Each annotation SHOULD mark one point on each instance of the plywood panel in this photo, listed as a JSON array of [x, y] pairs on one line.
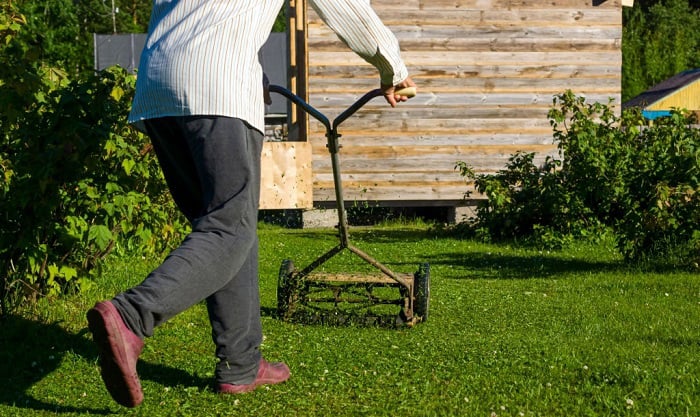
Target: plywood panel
[[286, 181]]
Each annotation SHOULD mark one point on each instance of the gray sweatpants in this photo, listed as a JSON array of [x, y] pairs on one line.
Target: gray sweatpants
[[212, 167]]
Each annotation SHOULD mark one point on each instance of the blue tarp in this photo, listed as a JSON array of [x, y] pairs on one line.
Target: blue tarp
[[655, 114]]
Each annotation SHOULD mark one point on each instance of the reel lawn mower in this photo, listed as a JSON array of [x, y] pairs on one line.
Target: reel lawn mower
[[300, 292]]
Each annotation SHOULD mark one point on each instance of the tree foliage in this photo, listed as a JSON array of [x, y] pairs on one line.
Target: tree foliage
[[660, 38], [60, 31]]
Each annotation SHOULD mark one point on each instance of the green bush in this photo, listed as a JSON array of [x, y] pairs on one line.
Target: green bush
[[660, 38], [524, 202], [661, 198], [562, 199], [612, 172], [77, 182]]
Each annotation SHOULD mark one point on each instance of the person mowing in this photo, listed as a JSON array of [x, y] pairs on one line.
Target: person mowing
[[200, 99]]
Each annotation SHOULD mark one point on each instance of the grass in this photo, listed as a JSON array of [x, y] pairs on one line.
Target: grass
[[512, 332]]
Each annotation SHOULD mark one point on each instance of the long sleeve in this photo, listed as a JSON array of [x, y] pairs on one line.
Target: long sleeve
[[359, 27]]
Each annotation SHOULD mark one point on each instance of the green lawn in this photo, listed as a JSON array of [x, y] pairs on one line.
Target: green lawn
[[512, 332]]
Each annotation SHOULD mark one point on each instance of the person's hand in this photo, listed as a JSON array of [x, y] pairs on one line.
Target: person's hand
[[266, 90], [392, 93]]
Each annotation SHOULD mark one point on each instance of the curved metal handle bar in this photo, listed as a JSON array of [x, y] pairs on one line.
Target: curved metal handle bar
[[356, 106], [320, 116], [297, 100]]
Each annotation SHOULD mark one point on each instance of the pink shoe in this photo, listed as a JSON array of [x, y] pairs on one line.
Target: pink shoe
[[268, 374], [119, 351]]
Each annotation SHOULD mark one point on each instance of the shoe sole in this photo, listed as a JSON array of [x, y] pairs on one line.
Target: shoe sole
[[259, 382], [121, 382]]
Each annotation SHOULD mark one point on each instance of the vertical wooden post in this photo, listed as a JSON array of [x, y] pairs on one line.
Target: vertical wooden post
[[298, 63]]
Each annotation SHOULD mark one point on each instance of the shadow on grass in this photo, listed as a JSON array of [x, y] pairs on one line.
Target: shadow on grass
[[484, 262], [373, 234], [32, 350], [480, 265]]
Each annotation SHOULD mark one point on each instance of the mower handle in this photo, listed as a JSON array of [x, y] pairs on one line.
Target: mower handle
[[409, 91], [299, 101]]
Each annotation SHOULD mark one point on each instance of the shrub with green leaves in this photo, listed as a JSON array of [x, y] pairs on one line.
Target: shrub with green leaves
[[662, 193], [617, 172], [561, 199], [77, 182], [80, 183], [524, 202]]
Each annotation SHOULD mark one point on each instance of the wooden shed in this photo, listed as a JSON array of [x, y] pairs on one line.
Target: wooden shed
[[486, 70], [682, 91]]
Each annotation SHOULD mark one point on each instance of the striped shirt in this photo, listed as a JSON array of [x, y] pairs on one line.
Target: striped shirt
[[201, 56]]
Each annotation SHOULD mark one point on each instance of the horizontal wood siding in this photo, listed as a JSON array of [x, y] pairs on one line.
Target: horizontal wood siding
[[486, 70]]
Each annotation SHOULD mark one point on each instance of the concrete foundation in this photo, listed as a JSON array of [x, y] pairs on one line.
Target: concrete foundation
[[319, 218], [460, 214]]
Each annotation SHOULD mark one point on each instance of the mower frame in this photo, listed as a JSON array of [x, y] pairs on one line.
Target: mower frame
[[294, 286]]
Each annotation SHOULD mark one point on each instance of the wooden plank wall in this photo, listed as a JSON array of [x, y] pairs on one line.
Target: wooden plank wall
[[487, 71]]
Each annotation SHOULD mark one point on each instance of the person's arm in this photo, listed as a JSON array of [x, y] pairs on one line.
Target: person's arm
[[359, 27]]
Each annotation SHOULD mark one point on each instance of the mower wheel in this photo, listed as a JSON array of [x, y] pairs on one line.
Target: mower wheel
[[286, 289], [421, 289]]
